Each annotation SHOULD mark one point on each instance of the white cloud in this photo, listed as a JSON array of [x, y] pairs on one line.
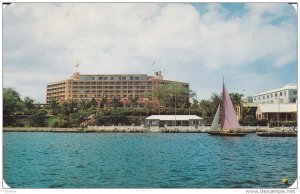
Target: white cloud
[[49, 39]]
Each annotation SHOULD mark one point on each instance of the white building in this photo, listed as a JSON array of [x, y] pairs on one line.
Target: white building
[[182, 121], [277, 114], [286, 94]]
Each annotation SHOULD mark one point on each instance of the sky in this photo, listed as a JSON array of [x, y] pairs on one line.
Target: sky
[[253, 45]]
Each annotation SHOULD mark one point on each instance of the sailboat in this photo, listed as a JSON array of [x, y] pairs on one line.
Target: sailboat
[[229, 123]]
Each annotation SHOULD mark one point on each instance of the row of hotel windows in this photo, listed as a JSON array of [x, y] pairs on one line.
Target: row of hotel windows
[[112, 78], [108, 96], [112, 83], [111, 87], [100, 83], [271, 95], [105, 91], [99, 87]]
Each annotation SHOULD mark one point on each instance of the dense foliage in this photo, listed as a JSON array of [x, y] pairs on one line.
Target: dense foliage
[[171, 98]]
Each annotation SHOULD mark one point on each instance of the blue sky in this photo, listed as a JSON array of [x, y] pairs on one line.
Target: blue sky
[[254, 45]]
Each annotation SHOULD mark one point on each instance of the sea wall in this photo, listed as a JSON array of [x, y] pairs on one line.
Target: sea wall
[[131, 129]]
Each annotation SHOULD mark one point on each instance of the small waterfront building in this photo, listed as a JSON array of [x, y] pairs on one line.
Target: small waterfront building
[[277, 113], [286, 94], [154, 122]]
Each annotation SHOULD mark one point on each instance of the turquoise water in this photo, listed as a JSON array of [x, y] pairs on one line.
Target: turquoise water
[[116, 160]]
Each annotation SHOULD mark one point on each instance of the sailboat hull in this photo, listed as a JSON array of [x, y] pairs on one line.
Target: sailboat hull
[[224, 133]]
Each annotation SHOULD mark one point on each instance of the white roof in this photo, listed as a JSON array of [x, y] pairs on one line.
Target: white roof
[[286, 87], [274, 108], [172, 117]]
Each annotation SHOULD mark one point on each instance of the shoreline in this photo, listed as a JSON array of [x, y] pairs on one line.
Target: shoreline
[[115, 129]]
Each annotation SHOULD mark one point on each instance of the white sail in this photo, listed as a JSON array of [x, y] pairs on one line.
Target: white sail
[[215, 123]]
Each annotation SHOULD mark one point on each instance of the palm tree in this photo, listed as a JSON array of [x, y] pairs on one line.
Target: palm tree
[[116, 101], [236, 99], [93, 103], [28, 102], [53, 104], [133, 100], [73, 106], [147, 106], [103, 101]]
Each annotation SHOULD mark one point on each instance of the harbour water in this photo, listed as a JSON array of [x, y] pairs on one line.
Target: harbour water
[[148, 160]]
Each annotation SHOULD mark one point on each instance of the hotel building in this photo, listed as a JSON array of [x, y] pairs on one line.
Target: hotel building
[[286, 94], [278, 105], [86, 87]]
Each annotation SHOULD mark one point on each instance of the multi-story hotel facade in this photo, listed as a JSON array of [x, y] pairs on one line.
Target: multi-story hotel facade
[[284, 95], [278, 105], [86, 87]]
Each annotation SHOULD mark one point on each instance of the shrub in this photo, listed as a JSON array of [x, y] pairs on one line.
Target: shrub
[[54, 121], [263, 122], [20, 123], [289, 123]]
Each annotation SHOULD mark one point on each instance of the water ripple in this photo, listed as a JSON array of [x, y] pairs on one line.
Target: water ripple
[[146, 161]]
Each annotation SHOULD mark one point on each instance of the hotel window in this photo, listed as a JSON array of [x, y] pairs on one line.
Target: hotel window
[[280, 93], [295, 92], [275, 94], [112, 78], [100, 78], [267, 96]]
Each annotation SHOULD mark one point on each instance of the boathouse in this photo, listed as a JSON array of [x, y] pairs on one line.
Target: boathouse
[[277, 113], [155, 122]]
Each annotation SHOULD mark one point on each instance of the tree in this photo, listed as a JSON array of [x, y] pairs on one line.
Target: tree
[[12, 104], [54, 105], [133, 100], [215, 101], [84, 104], [205, 108], [76, 119], [170, 94], [236, 99], [29, 106], [38, 119], [116, 101], [103, 101], [93, 103]]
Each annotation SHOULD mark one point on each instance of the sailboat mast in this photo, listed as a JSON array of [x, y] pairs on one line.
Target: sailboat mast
[[223, 107]]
